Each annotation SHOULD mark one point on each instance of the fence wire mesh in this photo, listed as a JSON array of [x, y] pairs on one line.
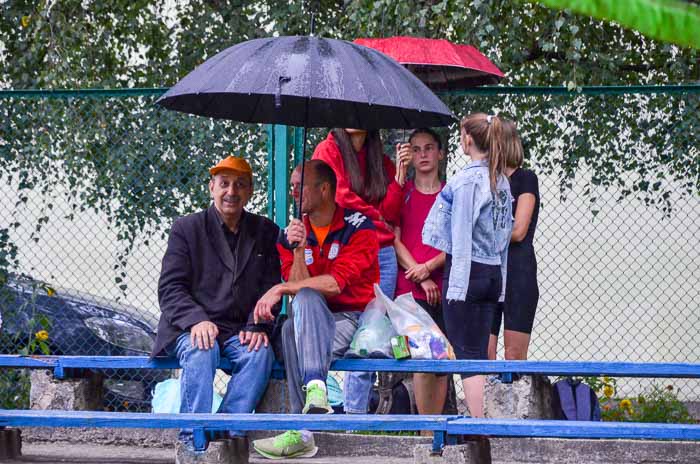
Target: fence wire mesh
[[91, 184]]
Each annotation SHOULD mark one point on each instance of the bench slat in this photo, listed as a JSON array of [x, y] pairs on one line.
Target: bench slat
[[55, 418], [553, 368], [573, 429], [30, 362], [452, 425]]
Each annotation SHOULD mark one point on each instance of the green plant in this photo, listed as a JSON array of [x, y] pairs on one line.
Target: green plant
[[605, 387], [38, 325], [14, 389], [15, 383], [658, 404]]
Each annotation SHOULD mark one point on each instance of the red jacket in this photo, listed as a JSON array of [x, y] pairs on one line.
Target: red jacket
[[349, 255], [385, 211]]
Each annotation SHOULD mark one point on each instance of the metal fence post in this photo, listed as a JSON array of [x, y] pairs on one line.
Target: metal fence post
[[281, 171]]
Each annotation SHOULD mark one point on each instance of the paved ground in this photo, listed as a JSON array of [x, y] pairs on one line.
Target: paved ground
[[42, 453]]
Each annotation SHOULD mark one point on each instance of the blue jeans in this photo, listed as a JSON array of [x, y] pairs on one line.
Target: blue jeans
[[311, 338], [250, 375], [358, 385]]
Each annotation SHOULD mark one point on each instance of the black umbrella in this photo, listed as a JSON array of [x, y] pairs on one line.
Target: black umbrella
[[307, 81]]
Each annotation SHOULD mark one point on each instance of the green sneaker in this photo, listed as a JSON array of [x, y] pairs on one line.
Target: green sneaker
[[290, 444], [316, 401]]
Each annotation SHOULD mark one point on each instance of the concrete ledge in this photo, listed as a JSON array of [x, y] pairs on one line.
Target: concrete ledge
[[475, 452], [503, 450], [352, 444], [144, 438], [218, 452], [530, 397], [551, 450], [46, 392]]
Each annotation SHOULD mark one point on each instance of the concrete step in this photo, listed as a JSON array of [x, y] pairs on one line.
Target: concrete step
[[354, 448]]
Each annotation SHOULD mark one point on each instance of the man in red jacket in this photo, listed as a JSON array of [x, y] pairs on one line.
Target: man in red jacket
[[331, 272]]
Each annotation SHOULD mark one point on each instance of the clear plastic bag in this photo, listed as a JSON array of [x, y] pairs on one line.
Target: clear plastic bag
[[372, 338], [426, 340], [166, 397]]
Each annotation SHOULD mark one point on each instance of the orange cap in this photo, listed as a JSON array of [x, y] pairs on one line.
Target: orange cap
[[234, 164]]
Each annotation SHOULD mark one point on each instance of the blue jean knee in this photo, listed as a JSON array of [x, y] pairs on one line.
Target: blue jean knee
[[197, 377], [388, 271], [249, 377]]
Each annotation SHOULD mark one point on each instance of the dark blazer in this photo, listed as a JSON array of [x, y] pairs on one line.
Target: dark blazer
[[201, 280]]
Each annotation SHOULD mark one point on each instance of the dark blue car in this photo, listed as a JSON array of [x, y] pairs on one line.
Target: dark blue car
[[81, 324]]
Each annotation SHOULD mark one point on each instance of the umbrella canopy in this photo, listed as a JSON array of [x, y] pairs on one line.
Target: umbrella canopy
[[310, 82], [439, 63]]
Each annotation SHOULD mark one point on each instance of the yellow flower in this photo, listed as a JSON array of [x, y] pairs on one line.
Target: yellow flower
[[42, 335], [50, 291], [608, 391], [626, 404], [606, 379], [25, 21]]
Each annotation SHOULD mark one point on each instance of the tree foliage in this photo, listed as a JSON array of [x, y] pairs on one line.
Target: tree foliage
[[142, 166]]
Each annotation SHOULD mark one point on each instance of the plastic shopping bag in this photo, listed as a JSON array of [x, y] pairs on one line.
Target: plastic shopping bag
[[166, 397], [372, 338], [425, 339]]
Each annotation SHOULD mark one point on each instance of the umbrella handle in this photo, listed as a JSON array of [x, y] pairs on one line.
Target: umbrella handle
[[278, 95]]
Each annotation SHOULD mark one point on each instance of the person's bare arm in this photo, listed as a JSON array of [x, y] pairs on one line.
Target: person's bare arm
[[299, 270], [523, 216], [324, 284], [296, 233], [436, 262], [421, 271], [404, 257]]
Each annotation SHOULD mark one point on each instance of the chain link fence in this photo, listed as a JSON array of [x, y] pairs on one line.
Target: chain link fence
[[91, 183]]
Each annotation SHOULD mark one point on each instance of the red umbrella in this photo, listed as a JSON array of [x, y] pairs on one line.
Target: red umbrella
[[439, 63]]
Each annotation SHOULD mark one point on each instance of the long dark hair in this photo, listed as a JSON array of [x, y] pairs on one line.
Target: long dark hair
[[370, 185]]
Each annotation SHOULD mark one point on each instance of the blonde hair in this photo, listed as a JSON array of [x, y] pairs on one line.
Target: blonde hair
[[512, 144], [487, 133]]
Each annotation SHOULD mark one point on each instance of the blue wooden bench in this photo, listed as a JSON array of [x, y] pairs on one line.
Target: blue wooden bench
[[206, 426], [445, 428], [62, 365]]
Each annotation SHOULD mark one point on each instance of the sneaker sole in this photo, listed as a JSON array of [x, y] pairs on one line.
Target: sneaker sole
[[318, 410], [300, 454]]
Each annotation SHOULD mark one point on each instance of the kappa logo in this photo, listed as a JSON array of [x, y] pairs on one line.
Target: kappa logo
[[356, 219]]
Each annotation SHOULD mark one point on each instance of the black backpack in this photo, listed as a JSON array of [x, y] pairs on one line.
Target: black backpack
[[394, 395], [574, 400]]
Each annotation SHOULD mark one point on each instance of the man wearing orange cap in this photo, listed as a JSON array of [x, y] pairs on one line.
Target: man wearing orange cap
[[218, 263]]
